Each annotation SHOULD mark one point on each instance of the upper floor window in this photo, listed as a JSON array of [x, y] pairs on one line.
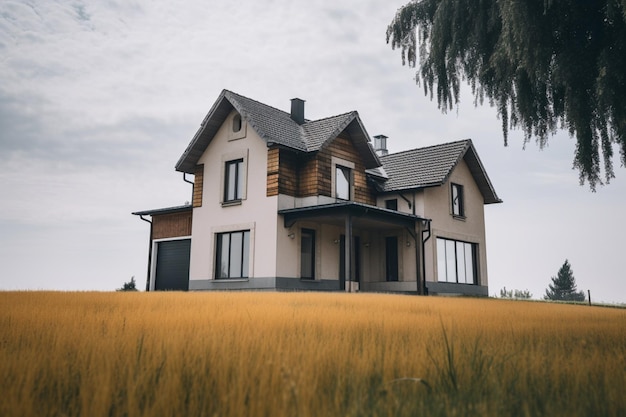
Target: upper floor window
[[342, 182], [233, 180], [236, 123], [458, 204], [391, 204]]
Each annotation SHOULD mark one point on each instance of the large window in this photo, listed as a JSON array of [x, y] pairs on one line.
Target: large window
[[456, 261], [232, 254], [307, 254], [458, 206], [233, 180], [342, 182]]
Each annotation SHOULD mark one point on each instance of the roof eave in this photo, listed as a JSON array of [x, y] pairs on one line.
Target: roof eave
[[209, 126], [479, 173]]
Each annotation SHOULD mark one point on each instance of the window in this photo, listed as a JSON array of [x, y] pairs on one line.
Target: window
[[232, 255], [236, 123], [307, 254], [391, 204], [456, 261], [458, 206], [342, 182], [391, 258], [233, 180]]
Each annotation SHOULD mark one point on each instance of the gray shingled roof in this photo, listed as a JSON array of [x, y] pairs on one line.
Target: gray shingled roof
[[431, 166], [276, 127]]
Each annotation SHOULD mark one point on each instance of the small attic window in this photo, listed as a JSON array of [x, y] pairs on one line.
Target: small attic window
[[236, 123]]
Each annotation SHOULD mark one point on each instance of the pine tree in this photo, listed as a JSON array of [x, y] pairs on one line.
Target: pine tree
[[544, 64], [129, 286], [563, 286]]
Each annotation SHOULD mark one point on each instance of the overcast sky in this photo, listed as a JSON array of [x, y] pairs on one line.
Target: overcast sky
[[98, 100]]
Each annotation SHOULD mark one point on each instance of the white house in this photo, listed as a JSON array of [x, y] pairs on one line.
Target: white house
[[281, 202]]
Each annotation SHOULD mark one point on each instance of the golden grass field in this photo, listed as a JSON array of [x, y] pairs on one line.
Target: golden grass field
[[306, 354]]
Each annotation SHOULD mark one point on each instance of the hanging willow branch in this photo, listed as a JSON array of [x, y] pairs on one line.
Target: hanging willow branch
[[544, 64]]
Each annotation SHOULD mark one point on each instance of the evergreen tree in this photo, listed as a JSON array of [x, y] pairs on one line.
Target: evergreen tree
[[544, 64], [563, 286], [129, 286]]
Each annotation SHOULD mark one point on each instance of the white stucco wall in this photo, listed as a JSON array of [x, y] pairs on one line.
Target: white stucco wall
[[438, 207], [256, 212]]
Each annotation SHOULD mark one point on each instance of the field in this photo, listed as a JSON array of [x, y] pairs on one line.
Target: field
[[306, 354]]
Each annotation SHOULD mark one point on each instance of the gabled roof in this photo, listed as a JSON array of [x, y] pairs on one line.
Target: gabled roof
[[277, 128], [431, 166]]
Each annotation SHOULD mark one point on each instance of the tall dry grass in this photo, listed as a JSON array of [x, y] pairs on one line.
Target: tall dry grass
[[306, 354]]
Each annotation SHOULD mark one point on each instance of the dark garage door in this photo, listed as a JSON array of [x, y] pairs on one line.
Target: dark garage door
[[172, 268]]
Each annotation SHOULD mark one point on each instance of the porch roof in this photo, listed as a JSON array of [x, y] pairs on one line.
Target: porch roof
[[363, 215], [165, 210]]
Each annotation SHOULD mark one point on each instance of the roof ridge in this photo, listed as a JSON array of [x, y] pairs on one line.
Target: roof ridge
[[257, 102], [330, 117], [426, 147]]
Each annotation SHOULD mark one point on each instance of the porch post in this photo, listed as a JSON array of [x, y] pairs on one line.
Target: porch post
[[348, 252]]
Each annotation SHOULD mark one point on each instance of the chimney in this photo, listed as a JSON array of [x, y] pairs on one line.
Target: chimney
[[380, 145], [297, 110]]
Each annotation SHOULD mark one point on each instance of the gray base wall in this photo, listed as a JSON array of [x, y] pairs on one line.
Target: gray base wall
[[445, 288], [263, 283], [297, 284]]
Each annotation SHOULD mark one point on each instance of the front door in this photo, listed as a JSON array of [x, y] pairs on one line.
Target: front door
[[356, 260]]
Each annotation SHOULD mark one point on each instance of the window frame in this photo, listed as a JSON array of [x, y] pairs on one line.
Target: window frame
[[346, 174], [457, 200], [336, 165], [237, 182], [244, 261], [446, 262], [241, 180]]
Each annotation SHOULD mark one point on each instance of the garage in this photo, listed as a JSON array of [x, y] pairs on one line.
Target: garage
[[172, 265]]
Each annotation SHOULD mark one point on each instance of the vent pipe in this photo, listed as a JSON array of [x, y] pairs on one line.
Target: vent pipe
[[297, 110], [380, 145]]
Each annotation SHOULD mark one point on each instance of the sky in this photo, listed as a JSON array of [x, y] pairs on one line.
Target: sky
[[98, 100]]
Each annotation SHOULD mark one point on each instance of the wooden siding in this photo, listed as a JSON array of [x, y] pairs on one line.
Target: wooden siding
[[273, 161], [308, 178], [198, 184], [342, 147], [288, 173], [282, 172], [171, 225], [311, 174]]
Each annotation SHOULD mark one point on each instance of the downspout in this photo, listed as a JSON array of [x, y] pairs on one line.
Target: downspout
[[189, 182], [149, 254], [425, 290], [418, 286], [348, 252]]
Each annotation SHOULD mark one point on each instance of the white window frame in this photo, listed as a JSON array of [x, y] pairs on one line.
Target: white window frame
[[230, 124], [213, 250], [346, 164]]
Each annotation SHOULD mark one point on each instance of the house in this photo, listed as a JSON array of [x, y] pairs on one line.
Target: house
[[281, 202]]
